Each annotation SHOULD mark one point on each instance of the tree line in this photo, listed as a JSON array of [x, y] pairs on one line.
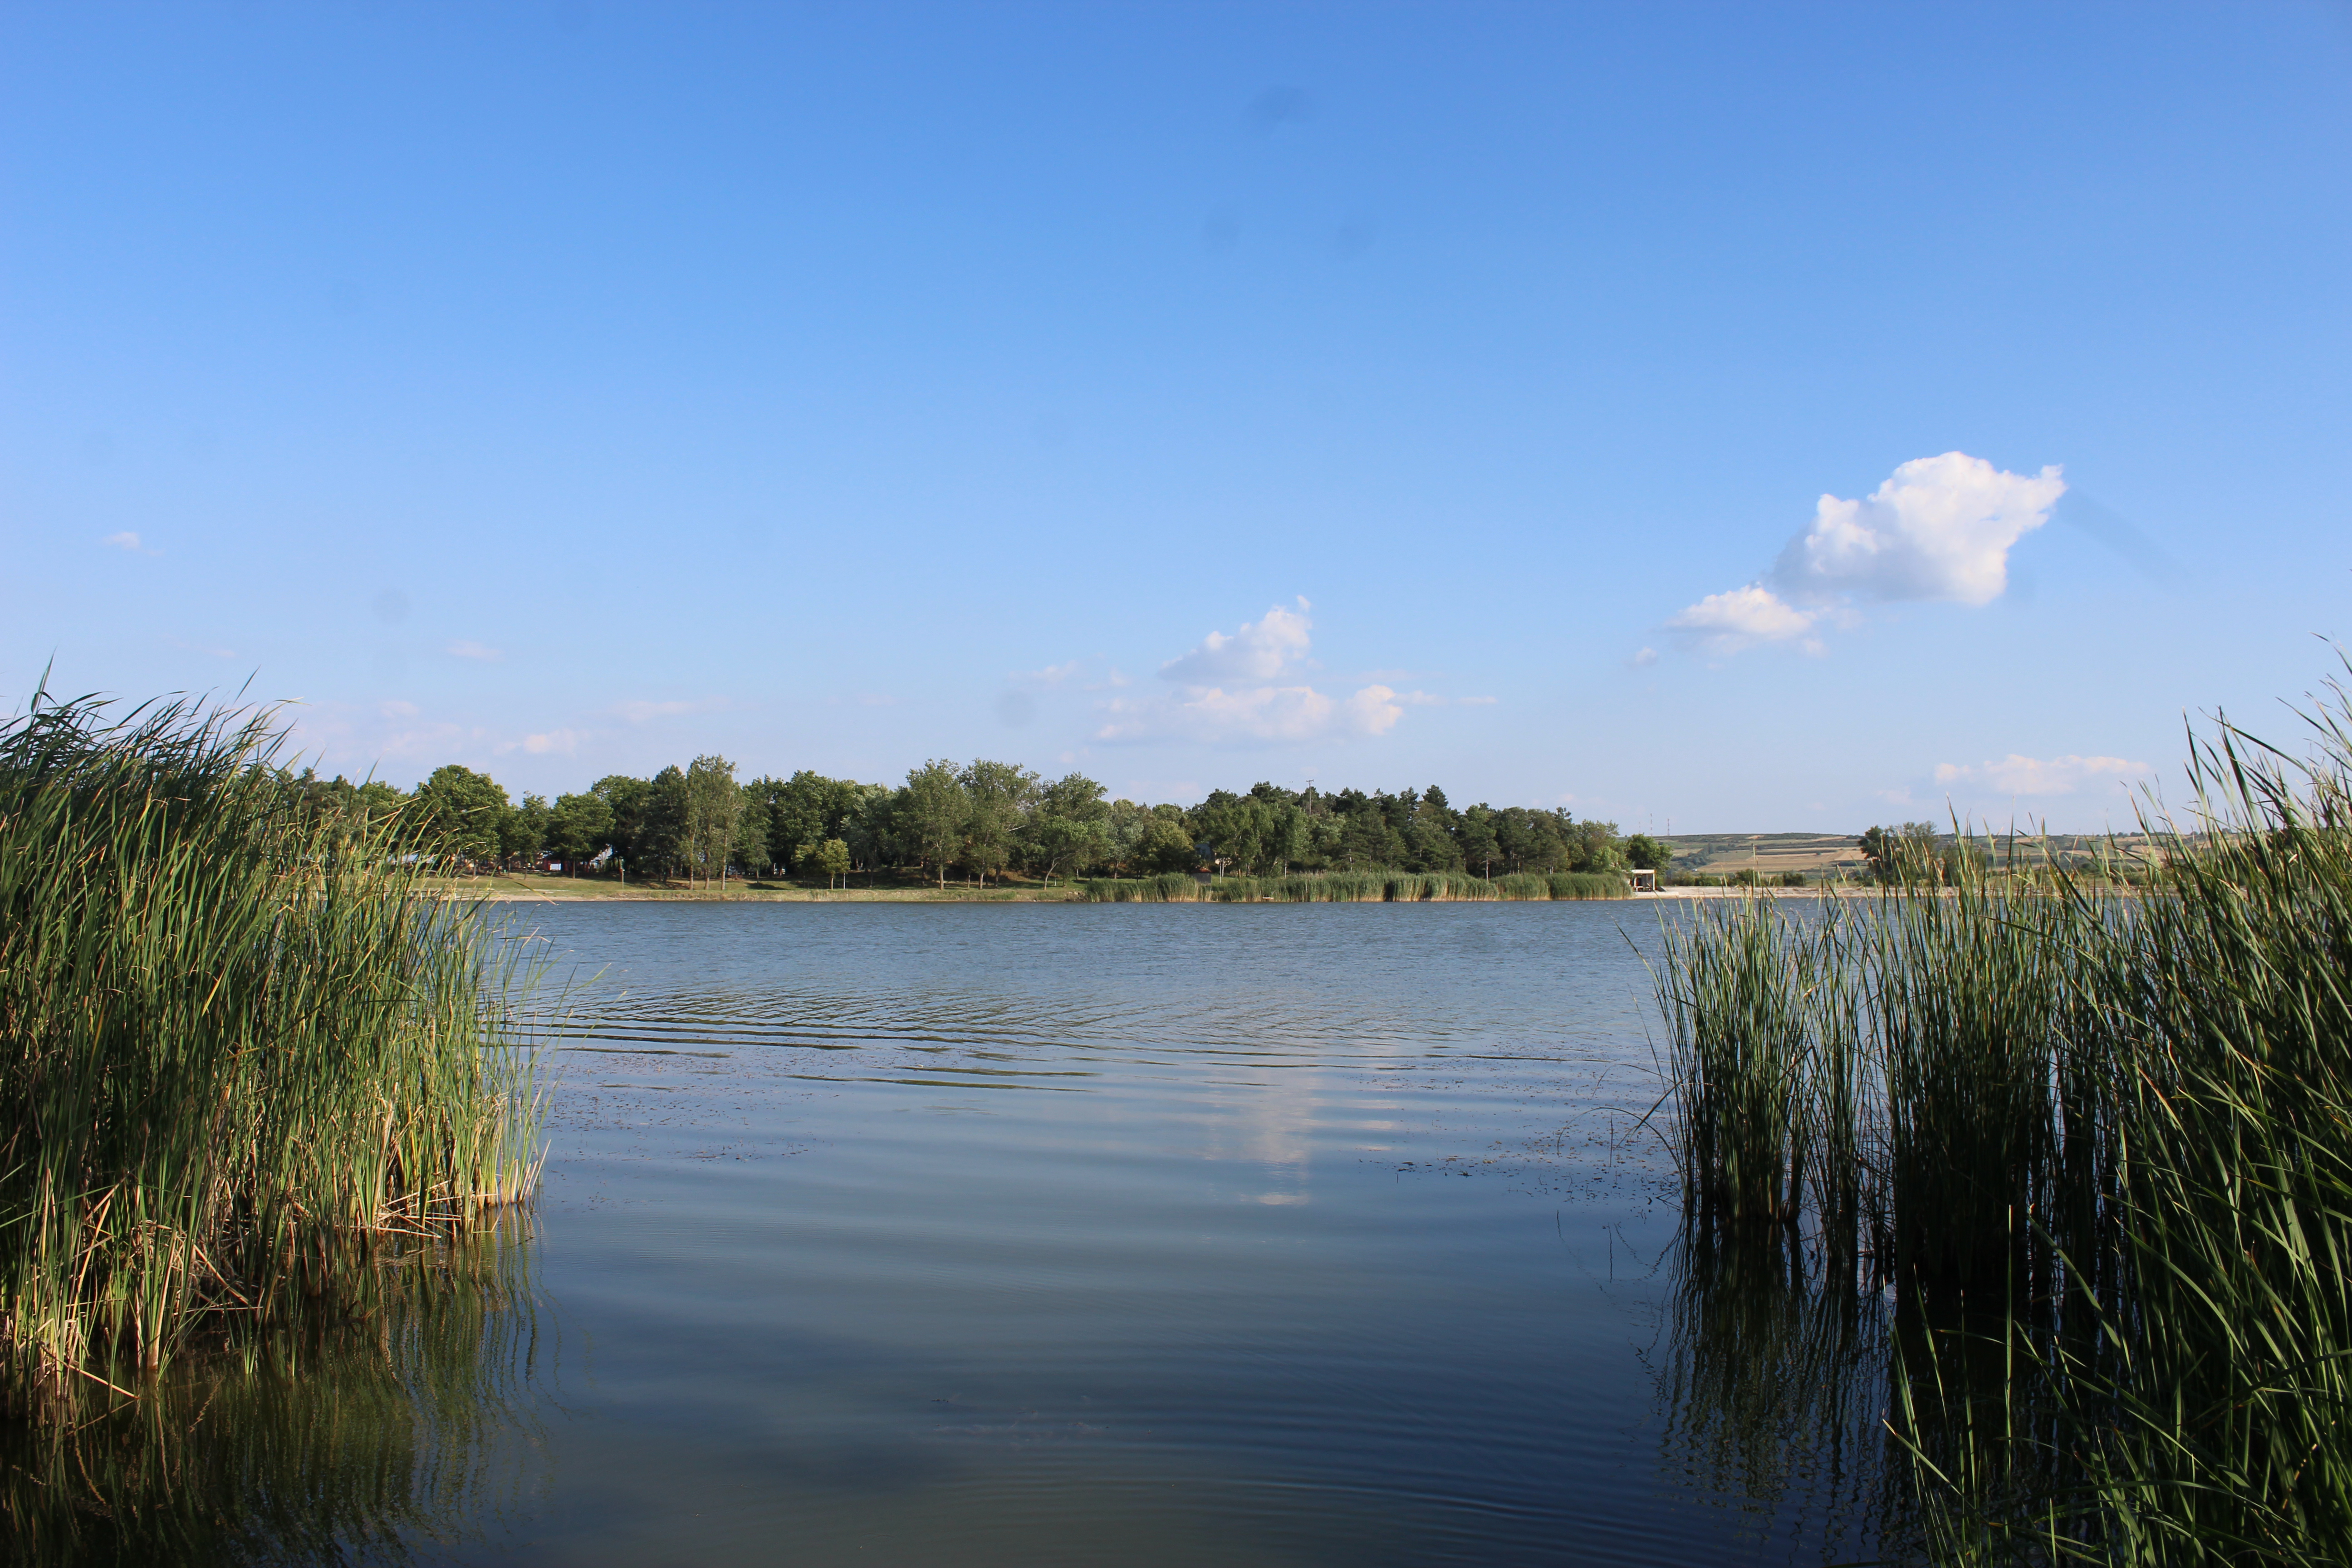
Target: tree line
[[977, 820]]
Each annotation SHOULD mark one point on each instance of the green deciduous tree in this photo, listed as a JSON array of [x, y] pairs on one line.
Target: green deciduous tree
[[578, 825], [1645, 853], [931, 811], [1902, 854], [462, 810], [1069, 828], [997, 798], [522, 835], [714, 807], [1164, 845]]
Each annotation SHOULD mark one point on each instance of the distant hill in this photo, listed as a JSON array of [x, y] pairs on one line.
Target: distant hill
[[1817, 853]]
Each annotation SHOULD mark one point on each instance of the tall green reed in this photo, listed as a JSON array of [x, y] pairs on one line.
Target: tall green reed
[[243, 1045], [1762, 1065], [2104, 1145]]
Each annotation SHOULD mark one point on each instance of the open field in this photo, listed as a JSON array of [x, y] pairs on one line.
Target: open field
[[1834, 854]]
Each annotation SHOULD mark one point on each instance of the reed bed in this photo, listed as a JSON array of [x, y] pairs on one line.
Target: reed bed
[[1353, 886], [243, 1049], [2099, 1144]]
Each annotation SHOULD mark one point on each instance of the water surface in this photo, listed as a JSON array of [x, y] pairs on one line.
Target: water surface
[[1277, 1234], [1293, 1234]]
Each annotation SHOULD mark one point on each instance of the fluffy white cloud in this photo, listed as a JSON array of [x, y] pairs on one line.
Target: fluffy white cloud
[[1939, 529], [1257, 652], [2014, 774], [129, 542], [1234, 690]]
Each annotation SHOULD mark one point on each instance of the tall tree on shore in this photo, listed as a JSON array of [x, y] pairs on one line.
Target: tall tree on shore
[[578, 826], [462, 809], [663, 839], [714, 805], [1070, 829], [998, 796], [932, 811]]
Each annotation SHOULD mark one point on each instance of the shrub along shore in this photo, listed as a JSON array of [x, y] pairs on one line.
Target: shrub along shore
[[2100, 1149], [248, 1057]]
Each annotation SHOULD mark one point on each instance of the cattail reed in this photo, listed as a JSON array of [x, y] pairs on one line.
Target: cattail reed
[[243, 1045], [2102, 1143]]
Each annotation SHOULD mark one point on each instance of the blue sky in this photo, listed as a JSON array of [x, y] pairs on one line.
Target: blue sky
[[1192, 395]]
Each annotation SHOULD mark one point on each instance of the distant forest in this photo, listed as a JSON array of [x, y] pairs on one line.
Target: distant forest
[[977, 821]]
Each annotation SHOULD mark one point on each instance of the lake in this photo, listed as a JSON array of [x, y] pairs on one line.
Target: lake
[[1285, 1234]]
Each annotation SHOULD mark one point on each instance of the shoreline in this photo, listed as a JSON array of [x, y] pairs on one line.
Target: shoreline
[[1026, 896]]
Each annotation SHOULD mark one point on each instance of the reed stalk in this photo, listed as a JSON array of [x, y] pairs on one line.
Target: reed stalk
[[2103, 1147], [243, 1045]]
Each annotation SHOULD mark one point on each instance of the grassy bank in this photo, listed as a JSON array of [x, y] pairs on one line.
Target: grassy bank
[[242, 1047], [1334, 886], [2101, 1147], [1353, 886]]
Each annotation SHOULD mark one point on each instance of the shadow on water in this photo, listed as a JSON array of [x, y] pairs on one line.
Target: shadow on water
[[392, 1432], [1771, 1376]]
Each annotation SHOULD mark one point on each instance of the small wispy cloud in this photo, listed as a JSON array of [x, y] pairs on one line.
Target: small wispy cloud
[[482, 651], [1052, 675], [2022, 776], [397, 709], [129, 542], [641, 710], [562, 741]]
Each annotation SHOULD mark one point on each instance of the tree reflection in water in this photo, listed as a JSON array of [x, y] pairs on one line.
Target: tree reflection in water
[[393, 1424]]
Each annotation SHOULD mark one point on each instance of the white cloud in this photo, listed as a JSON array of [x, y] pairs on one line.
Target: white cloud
[[2014, 774], [1233, 692], [1742, 617], [1053, 674], [640, 710], [1251, 713], [396, 708], [1257, 652], [1648, 655], [477, 650], [564, 740], [128, 541], [1937, 529]]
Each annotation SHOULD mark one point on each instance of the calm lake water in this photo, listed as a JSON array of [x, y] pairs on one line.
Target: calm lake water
[[1135, 1234]]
